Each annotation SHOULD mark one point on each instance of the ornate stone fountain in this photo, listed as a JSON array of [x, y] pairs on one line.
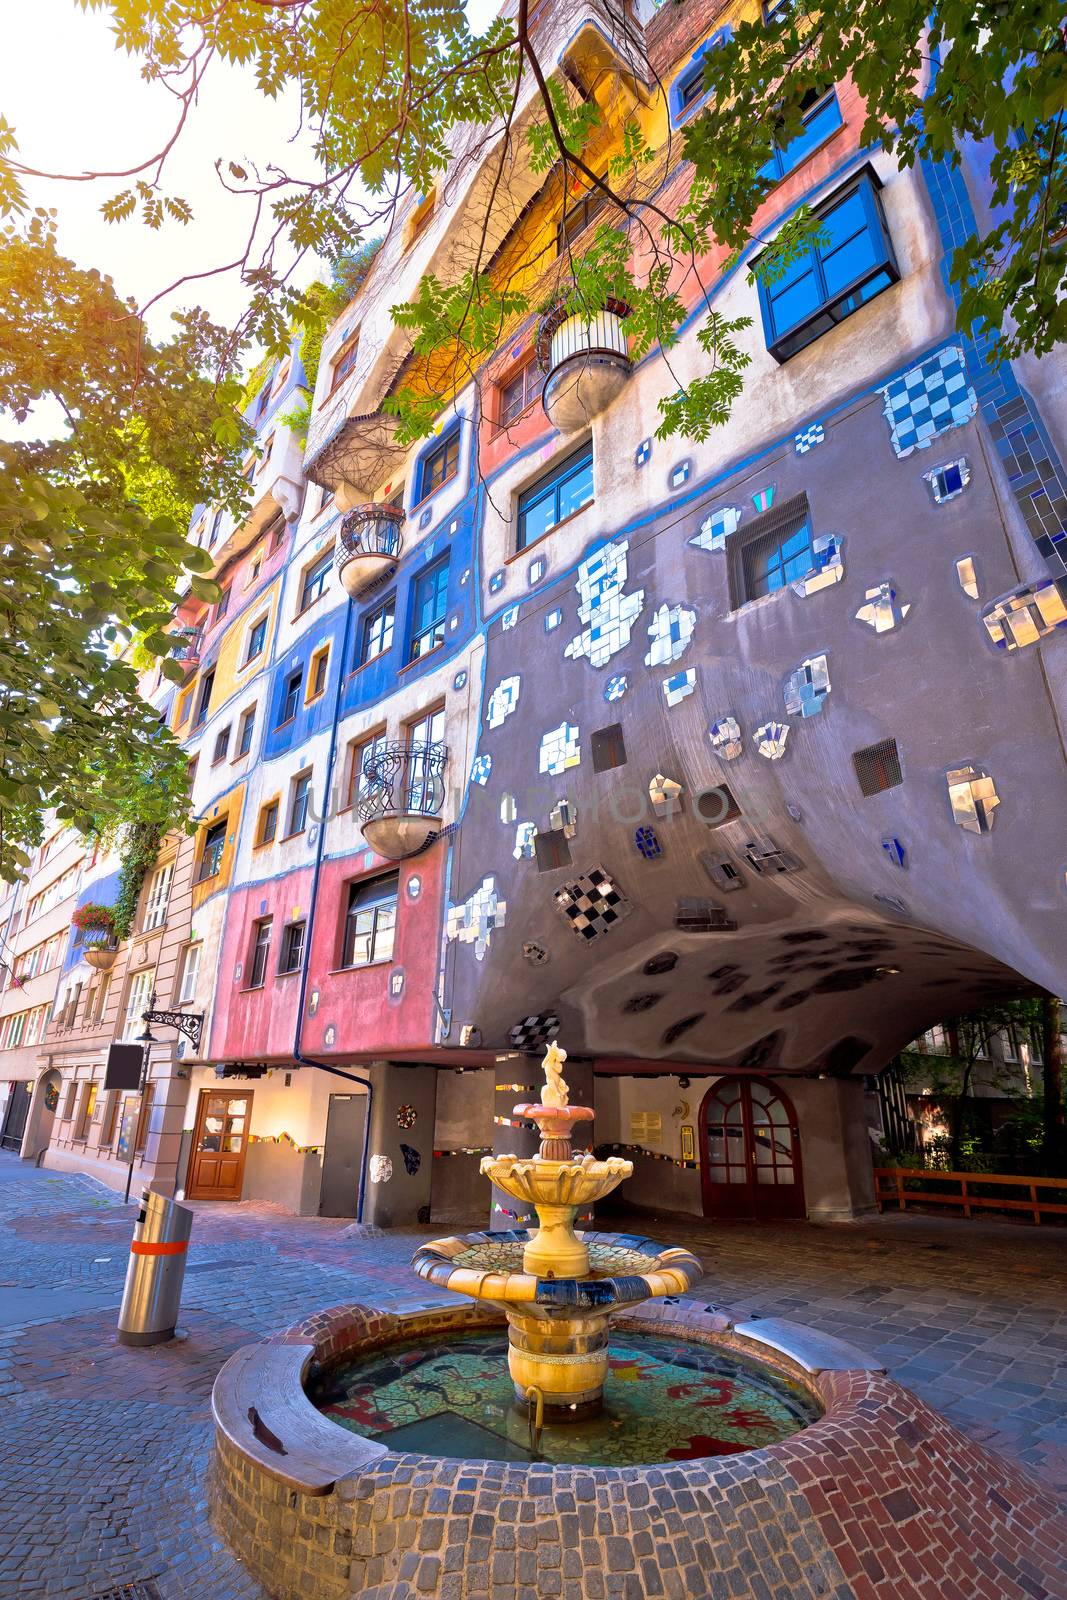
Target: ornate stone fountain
[[558, 1289]]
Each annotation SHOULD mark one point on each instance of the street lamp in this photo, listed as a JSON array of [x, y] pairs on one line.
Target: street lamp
[[146, 1040]]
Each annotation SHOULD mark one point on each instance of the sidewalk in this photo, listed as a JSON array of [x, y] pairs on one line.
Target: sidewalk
[[106, 1448]]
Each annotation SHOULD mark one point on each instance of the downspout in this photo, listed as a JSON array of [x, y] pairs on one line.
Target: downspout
[[320, 846]]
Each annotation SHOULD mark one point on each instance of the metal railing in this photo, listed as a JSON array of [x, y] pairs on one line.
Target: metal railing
[[372, 530], [403, 780]]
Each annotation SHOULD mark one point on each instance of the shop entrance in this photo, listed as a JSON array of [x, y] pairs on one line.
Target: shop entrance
[[217, 1162]]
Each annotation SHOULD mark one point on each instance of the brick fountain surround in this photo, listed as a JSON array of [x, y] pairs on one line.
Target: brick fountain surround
[[881, 1499]]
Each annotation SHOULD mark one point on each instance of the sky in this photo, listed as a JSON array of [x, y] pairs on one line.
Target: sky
[[78, 104]]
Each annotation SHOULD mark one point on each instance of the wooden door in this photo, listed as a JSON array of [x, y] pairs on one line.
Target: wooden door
[[217, 1162], [750, 1152]]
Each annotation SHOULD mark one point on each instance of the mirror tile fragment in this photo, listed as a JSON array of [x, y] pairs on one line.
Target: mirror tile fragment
[[725, 737], [973, 797], [882, 611], [828, 566], [1027, 614], [967, 577], [665, 795], [716, 528], [473, 921], [770, 739], [806, 688], [679, 686]]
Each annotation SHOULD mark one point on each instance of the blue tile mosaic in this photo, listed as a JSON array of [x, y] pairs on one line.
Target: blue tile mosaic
[[424, 520], [895, 851], [615, 687], [647, 843], [536, 571], [481, 767], [509, 617], [496, 582], [948, 481], [808, 438], [716, 528], [680, 474], [763, 499], [927, 400], [643, 452], [460, 680], [678, 687], [807, 687], [553, 620]]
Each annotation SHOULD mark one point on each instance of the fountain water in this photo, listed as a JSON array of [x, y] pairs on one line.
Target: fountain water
[[558, 1289]]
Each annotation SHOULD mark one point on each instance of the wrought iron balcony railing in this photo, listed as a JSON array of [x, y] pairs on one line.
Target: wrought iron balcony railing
[[369, 547], [401, 797]]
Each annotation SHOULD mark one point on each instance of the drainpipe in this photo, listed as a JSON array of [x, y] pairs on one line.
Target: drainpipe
[[320, 846]]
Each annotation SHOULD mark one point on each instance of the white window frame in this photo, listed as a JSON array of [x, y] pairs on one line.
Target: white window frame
[[141, 986], [158, 897], [189, 973]]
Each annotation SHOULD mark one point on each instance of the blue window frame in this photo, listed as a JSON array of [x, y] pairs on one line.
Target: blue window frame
[[776, 550], [688, 90], [257, 638], [292, 696], [315, 580], [828, 282], [438, 466], [377, 632], [559, 494], [819, 123], [428, 607]]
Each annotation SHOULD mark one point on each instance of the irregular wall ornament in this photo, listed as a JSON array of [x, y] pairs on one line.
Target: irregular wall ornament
[[607, 610], [473, 921], [559, 749], [725, 737], [716, 528], [502, 701], [592, 904], [665, 795], [412, 1159], [380, 1169], [882, 612], [770, 740], [828, 566], [680, 686], [1027, 614], [967, 578], [807, 687], [973, 797], [670, 631], [927, 400]]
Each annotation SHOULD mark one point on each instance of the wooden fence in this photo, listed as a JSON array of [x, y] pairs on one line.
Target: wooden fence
[[904, 1186]]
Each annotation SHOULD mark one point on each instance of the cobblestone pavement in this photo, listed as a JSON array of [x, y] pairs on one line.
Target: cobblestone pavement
[[105, 1448]]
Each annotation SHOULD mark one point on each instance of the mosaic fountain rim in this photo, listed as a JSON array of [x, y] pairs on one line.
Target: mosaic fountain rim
[[628, 1264]]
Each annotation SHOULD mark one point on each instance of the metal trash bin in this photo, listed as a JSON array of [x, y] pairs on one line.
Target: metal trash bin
[[156, 1271]]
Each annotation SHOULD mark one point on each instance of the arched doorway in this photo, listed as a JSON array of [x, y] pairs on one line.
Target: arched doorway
[[750, 1151], [42, 1115]]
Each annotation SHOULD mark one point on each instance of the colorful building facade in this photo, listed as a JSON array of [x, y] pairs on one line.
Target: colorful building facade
[[717, 761]]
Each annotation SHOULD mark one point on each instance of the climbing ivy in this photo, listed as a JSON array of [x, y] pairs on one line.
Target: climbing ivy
[[140, 846]]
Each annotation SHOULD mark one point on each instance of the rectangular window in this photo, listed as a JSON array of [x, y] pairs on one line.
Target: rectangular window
[[216, 524], [776, 10], [439, 466], [139, 1001], [574, 219], [421, 217], [222, 745], [257, 638], [299, 802], [85, 1110], [828, 282], [292, 947], [107, 1122], [155, 906], [878, 767], [377, 632], [370, 921], [189, 973], [244, 731], [518, 393], [183, 707], [223, 605], [774, 550], [144, 1117], [362, 752], [819, 122], [320, 667], [315, 578], [559, 494], [429, 605], [257, 966], [344, 362], [268, 823], [276, 534], [428, 730], [291, 698], [206, 686], [211, 851]]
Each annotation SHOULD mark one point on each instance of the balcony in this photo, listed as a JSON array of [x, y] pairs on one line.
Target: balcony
[[586, 360], [369, 547], [402, 797], [352, 456], [187, 655]]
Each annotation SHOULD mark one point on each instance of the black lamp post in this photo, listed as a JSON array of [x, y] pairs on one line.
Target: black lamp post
[[146, 1040]]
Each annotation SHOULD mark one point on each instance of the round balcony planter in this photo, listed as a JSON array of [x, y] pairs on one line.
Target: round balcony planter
[[586, 360], [400, 834], [369, 547], [101, 956]]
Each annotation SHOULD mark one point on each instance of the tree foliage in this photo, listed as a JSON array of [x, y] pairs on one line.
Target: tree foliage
[[93, 535]]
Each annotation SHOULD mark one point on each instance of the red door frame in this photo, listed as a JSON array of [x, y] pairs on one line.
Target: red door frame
[[752, 1200]]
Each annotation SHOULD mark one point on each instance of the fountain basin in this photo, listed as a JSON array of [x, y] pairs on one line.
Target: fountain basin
[[294, 1493]]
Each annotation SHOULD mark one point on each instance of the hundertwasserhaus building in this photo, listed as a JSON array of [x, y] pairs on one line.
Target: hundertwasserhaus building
[[732, 765]]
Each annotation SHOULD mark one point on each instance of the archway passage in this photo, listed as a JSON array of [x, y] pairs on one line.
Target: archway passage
[[750, 1152]]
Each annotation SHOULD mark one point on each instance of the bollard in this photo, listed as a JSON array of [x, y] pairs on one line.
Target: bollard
[[156, 1271]]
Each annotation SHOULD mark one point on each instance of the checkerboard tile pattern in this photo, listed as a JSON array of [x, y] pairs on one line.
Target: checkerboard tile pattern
[[643, 452], [927, 400], [607, 610], [808, 438], [534, 1033], [592, 904]]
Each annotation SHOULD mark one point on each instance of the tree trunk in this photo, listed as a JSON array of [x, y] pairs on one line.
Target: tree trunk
[[956, 1129], [1052, 1085]]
